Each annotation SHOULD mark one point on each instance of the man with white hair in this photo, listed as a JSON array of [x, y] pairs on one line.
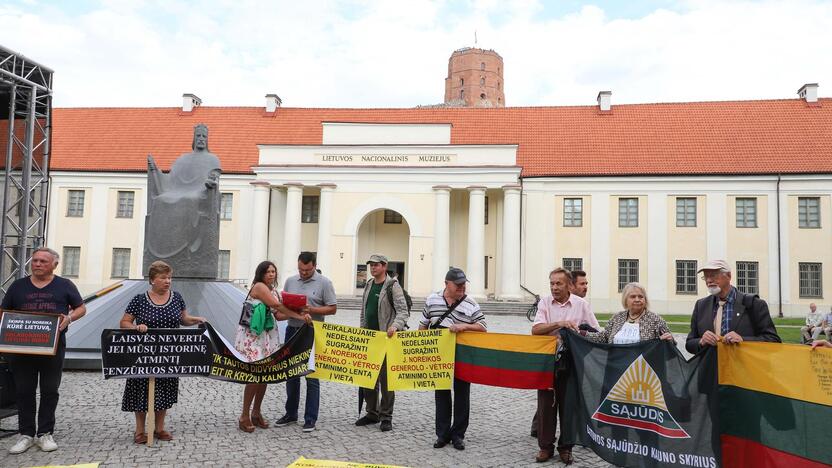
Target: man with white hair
[[727, 315], [43, 291]]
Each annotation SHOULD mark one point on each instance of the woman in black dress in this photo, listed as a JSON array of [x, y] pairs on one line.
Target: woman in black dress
[[159, 307]]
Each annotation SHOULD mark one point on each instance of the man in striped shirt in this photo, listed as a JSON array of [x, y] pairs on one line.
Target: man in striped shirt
[[451, 308]]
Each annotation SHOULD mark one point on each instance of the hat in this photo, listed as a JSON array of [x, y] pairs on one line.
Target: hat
[[456, 275], [376, 258], [715, 265]]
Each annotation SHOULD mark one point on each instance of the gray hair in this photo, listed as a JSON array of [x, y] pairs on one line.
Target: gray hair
[[49, 251], [628, 289]]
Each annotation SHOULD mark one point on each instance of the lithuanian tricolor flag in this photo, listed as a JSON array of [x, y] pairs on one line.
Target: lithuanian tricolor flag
[[775, 405], [501, 360]]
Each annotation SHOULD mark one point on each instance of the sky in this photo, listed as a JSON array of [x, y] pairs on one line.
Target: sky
[[333, 53]]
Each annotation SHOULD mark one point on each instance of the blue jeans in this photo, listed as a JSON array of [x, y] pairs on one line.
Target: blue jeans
[[313, 392]]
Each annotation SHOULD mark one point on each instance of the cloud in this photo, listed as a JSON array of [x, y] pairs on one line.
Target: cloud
[[394, 54]]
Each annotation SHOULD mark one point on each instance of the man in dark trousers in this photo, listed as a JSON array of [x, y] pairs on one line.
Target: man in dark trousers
[[727, 315], [43, 291], [383, 307]]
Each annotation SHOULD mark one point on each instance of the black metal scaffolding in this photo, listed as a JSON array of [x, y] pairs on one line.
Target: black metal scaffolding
[[26, 116]]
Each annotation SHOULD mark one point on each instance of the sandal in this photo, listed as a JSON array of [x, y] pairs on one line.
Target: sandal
[[140, 438], [259, 422], [245, 426], [163, 435]]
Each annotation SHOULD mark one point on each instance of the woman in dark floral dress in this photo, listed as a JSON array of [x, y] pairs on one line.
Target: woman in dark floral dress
[[159, 307]]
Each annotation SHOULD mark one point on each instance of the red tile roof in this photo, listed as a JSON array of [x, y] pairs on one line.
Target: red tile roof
[[742, 137]]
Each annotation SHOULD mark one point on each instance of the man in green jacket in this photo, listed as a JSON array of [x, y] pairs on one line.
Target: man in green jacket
[[383, 308]]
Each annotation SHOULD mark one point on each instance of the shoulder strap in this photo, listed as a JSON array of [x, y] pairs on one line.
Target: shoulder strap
[[450, 309]]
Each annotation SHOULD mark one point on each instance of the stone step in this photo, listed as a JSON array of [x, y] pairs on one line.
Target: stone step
[[487, 307]]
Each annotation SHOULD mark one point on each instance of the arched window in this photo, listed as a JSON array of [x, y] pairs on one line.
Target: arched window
[[462, 81], [482, 81], [482, 66], [462, 94], [482, 96], [498, 85]]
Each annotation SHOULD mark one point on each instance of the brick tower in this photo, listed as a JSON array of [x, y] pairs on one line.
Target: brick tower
[[475, 78]]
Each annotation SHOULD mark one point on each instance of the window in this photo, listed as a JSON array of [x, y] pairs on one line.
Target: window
[[482, 81], [810, 279], [224, 264], [485, 218], [748, 277], [462, 81], [391, 217], [482, 96], [573, 264], [125, 204], [628, 212], [309, 209], [746, 212], [71, 262], [498, 85], [573, 212], [226, 206], [808, 212], [121, 263], [627, 272], [75, 204], [462, 94], [685, 212], [685, 276], [482, 66]]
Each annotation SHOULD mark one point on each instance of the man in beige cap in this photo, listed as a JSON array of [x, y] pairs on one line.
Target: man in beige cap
[[383, 308], [727, 315]]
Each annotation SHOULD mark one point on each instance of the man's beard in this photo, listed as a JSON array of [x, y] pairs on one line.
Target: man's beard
[[714, 290]]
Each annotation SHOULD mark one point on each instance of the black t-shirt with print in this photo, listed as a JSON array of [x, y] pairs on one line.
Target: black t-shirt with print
[[57, 297]]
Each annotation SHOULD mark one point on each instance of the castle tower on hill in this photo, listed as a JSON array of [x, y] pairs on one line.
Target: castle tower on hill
[[475, 79]]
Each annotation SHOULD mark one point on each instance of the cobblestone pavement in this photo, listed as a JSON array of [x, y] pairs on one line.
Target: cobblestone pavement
[[92, 428]]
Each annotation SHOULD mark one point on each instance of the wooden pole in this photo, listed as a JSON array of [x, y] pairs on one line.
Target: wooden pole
[[151, 411]]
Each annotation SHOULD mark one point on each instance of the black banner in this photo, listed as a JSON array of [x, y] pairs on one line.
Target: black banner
[[29, 332], [190, 352], [642, 404]]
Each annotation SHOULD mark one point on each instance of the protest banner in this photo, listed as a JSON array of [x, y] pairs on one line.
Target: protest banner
[[302, 462], [349, 355], [642, 404], [775, 403], [29, 332], [421, 360], [188, 352]]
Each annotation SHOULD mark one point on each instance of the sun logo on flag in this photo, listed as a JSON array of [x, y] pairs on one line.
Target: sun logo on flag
[[637, 401]]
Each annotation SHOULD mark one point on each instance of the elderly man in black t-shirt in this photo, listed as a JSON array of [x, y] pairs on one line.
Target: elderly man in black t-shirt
[[43, 291]]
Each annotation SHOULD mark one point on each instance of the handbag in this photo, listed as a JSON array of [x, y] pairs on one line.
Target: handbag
[[246, 312]]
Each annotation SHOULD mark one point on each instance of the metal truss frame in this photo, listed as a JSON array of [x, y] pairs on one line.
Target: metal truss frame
[[26, 162]]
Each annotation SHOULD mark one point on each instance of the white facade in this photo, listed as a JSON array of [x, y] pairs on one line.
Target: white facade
[[442, 193]]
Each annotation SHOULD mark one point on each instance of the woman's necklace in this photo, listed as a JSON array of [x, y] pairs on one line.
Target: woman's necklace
[[632, 319]]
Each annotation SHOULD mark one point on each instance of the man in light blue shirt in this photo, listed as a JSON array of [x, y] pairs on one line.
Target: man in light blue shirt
[[320, 301]]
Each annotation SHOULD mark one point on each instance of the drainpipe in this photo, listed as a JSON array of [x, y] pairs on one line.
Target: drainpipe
[[779, 257]]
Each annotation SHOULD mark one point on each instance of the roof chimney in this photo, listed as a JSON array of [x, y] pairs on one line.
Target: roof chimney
[[273, 101], [190, 101], [809, 92], [604, 98]]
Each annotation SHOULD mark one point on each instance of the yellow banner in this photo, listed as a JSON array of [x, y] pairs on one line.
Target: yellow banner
[[421, 360], [348, 355], [789, 370], [309, 463]]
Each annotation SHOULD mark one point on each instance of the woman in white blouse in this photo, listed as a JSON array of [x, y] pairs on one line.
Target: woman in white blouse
[[635, 323]]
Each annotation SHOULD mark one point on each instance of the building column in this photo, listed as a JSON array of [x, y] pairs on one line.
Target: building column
[[475, 269], [325, 226], [510, 264], [291, 230], [259, 223], [441, 235]]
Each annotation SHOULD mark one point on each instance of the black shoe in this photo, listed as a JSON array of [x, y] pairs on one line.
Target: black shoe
[[459, 444], [285, 420], [386, 426], [440, 443], [366, 421]]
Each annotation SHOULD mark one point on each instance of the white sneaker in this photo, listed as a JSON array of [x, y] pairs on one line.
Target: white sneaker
[[22, 444], [46, 443]]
